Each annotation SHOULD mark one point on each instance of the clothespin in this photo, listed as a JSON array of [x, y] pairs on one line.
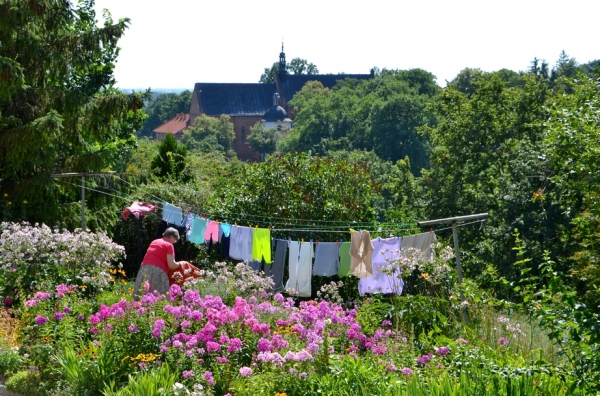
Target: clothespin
[[431, 229], [302, 240], [235, 223], [269, 227], [352, 230]]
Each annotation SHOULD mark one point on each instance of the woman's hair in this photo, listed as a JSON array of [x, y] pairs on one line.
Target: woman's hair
[[169, 232]]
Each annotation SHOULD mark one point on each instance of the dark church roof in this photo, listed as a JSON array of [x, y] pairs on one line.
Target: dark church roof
[[294, 82], [275, 113], [235, 99]]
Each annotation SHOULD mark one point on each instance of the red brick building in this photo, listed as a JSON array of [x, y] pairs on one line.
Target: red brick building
[[247, 104], [175, 126]]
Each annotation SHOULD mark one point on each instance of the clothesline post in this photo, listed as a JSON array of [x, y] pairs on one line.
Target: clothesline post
[[82, 175], [459, 272]]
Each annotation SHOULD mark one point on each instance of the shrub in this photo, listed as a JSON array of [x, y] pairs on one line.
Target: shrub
[[37, 257]]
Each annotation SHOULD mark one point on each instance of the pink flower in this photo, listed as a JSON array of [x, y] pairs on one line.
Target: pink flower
[[502, 341], [406, 371], [59, 315], [132, 328], [146, 286], [245, 371], [441, 351], [187, 374], [40, 320]]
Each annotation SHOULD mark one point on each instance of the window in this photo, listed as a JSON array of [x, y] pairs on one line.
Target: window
[[243, 134]]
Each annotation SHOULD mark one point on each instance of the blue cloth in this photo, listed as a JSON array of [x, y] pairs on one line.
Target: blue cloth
[[226, 228], [171, 214], [197, 231]]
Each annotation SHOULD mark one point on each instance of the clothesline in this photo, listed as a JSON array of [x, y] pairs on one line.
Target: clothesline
[[389, 227]]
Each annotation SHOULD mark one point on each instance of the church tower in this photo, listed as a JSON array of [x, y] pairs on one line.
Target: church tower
[[282, 71]]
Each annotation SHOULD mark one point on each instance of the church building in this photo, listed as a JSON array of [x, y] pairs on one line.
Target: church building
[[249, 103]]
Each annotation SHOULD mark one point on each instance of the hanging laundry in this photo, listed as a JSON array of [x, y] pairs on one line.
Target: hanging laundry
[[275, 271], [261, 245], [212, 231], [138, 209], [171, 214], [162, 227], [423, 242], [225, 243], [255, 265], [300, 266], [197, 230], [327, 259], [224, 229], [385, 251], [360, 254], [187, 223], [344, 269], [240, 247]]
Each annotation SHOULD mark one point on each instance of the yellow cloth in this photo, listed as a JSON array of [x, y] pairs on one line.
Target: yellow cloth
[[361, 249], [261, 245]]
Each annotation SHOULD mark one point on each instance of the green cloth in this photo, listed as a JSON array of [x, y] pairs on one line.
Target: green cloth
[[344, 269]]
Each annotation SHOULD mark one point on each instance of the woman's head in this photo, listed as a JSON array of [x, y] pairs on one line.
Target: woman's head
[[171, 234]]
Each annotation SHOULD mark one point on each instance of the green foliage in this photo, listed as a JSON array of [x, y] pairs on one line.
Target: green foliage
[[486, 159], [372, 312], [147, 383], [169, 163], [10, 361], [381, 114], [296, 66], [162, 108], [297, 187], [264, 140], [209, 134], [58, 113], [24, 383], [572, 146]]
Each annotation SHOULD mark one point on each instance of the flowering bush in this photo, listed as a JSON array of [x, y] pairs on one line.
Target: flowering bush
[[34, 257]]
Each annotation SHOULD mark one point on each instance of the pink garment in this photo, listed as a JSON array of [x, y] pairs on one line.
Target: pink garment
[[212, 231], [138, 209]]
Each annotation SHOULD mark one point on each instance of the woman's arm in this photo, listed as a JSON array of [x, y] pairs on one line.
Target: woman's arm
[[171, 262]]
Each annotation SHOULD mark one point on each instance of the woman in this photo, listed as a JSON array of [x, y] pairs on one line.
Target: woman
[[159, 258]]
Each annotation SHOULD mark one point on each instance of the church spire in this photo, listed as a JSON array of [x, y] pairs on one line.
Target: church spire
[[282, 71]]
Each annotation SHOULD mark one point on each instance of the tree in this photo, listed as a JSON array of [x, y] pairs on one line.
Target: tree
[[209, 134], [572, 146], [163, 108], [169, 163], [486, 158], [264, 140], [57, 113], [296, 66], [302, 66], [298, 186]]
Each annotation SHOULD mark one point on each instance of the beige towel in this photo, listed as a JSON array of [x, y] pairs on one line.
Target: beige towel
[[361, 250]]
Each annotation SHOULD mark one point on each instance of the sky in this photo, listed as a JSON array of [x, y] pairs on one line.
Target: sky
[[176, 43]]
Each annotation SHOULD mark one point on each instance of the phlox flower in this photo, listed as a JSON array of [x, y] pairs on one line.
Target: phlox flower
[[61, 290], [208, 377], [212, 346], [302, 375], [187, 374], [441, 351], [502, 341], [40, 320], [132, 328], [264, 345], [222, 360], [41, 295], [406, 371], [59, 315], [245, 371], [31, 303]]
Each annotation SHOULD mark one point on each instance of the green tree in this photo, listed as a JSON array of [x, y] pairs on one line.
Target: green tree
[[162, 108], [209, 134], [382, 114], [169, 163], [298, 187], [302, 66], [572, 145], [486, 158], [296, 66], [264, 140], [57, 113]]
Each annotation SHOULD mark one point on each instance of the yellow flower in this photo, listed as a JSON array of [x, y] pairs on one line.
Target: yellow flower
[[10, 203], [5, 194], [425, 275], [25, 201], [281, 394]]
